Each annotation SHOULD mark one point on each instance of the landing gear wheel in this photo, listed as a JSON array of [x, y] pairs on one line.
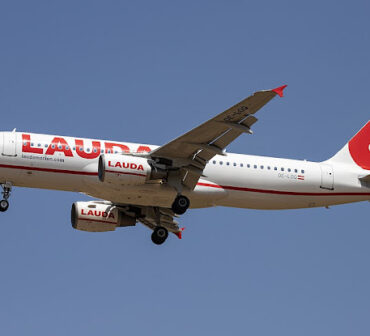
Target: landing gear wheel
[[180, 205], [4, 205], [159, 235], [7, 188]]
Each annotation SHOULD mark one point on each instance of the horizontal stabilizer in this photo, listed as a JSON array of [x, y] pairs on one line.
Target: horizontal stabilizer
[[365, 178]]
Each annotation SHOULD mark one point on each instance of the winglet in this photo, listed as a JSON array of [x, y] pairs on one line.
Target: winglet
[[179, 234], [279, 90]]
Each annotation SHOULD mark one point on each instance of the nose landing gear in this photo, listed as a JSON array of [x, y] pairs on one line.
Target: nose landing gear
[[4, 204]]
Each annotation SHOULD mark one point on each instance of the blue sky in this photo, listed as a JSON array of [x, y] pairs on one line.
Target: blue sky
[[147, 72]]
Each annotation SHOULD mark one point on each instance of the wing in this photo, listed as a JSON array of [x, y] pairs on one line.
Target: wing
[[191, 152], [150, 216], [153, 217]]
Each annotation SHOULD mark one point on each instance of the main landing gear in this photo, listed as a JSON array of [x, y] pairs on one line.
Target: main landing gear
[[159, 235], [4, 204], [180, 205]]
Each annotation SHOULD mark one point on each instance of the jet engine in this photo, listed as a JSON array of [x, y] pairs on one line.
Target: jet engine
[[98, 217], [123, 169]]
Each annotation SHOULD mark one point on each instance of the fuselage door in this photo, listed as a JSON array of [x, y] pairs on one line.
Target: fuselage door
[[327, 177], [9, 144]]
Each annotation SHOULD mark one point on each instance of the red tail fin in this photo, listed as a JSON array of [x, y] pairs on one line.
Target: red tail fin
[[357, 151], [359, 147]]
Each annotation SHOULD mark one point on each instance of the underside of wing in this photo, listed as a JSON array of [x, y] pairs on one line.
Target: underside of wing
[[153, 217], [191, 151]]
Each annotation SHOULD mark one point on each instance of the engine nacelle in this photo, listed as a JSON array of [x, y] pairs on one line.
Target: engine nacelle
[[98, 217], [123, 169]]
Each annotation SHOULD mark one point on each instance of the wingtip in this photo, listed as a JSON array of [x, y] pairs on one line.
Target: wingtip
[[279, 90], [179, 233]]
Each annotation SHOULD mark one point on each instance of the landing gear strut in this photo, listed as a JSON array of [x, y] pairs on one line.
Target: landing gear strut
[[159, 235], [4, 204], [180, 205]]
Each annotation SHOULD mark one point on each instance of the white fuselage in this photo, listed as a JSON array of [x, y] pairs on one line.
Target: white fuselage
[[233, 180]]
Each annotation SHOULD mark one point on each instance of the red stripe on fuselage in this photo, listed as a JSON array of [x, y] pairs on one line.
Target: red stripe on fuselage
[[50, 170], [278, 192], [263, 191]]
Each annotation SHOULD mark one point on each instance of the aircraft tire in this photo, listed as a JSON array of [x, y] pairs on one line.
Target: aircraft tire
[[159, 235], [180, 205], [4, 205]]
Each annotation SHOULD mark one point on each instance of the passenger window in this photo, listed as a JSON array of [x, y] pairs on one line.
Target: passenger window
[[39, 145], [228, 163], [95, 150], [261, 167], [46, 146], [214, 162], [282, 169], [268, 167], [302, 171], [289, 170], [296, 170], [221, 163], [53, 146], [241, 165], [234, 164], [248, 165], [255, 166], [275, 168], [60, 146], [67, 147]]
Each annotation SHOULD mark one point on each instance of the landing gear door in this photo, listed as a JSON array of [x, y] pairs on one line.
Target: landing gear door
[[327, 177], [9, 144]]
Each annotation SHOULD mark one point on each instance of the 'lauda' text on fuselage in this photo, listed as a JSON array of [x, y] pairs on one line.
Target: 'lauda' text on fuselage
[[59, 144]]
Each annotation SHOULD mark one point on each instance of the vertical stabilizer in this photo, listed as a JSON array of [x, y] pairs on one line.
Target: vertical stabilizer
[[357, 150]]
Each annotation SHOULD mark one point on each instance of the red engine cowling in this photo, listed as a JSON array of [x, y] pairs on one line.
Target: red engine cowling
[[123, 169], [98, 217]]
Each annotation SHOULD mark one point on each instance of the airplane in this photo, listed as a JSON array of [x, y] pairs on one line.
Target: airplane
[[154, 185]]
